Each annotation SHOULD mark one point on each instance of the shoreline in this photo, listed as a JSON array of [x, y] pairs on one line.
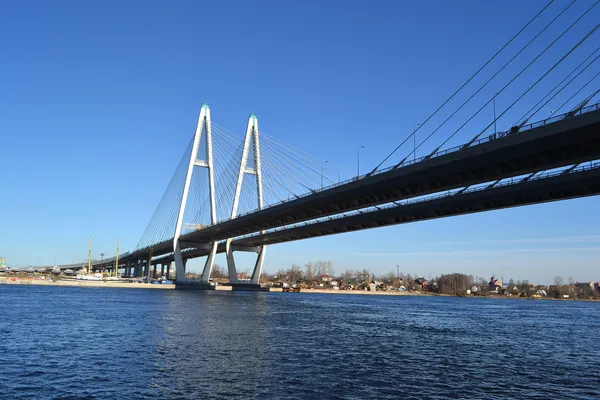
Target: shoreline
[[135, 285], [82, 283]]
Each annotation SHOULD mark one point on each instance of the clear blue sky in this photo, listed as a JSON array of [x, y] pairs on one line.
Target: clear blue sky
[[99, 99]]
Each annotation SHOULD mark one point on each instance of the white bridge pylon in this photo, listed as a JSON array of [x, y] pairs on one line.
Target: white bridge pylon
[[251, 140], [203, 124]]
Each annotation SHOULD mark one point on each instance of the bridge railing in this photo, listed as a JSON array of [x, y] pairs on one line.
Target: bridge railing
[[496, 136], [483, 187]]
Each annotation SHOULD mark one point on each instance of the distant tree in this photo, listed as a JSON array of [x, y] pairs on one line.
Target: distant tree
[[294, 274], [571, 287], [266, 277], [245, 274], [524, 287], [329, 268], [281, 274], [347, 275], [454, 283], [511, 284], [558, 281], [483, 286], [389, 278], [219, 272], [308, 272]]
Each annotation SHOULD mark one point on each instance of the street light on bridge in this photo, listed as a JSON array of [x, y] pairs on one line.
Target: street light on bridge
[[322, 173], [495, 130], [358, 161], [415, 141]]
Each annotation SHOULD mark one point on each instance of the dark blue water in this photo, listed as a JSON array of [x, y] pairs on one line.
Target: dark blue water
[[124, 343]]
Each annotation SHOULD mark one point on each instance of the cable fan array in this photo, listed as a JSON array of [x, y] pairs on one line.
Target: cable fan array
[[547, 52], [287, 173]]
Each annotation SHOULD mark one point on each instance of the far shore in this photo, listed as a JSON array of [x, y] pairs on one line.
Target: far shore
[[224, 287], [364, 292]]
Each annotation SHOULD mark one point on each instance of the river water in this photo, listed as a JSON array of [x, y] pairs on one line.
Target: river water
[[83, 343]]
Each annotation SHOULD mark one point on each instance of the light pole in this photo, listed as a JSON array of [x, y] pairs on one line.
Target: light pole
[[415, 141], [358, 161], [322, 173], [495, 131], [101, 259]]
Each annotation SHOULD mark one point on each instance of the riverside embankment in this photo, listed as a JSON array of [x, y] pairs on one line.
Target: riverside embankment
[[80, 283]]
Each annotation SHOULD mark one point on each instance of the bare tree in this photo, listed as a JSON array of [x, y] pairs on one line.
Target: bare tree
[[281, 274], [218, 272], [329, 268], [294, 274], [308, 272], [455, 283], [558, 281], [347, 275], [571, 287]]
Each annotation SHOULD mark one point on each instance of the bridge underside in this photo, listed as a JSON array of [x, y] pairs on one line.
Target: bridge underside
[[554, 188]]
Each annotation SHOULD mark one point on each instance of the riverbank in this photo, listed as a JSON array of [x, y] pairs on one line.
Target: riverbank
[[362, 292], [81, 283]]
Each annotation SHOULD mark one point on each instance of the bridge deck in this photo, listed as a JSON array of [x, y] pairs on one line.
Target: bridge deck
[[543, 146], [560, 143], [582, 182]]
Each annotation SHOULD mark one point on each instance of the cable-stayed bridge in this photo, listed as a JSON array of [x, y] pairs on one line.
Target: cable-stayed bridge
[[233, 193]]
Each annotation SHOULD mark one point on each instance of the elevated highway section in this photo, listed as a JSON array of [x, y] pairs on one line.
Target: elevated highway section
[[562, 185], [568, 139], [542, 146]]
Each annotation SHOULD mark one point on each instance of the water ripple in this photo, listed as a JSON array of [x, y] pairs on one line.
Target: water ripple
[[79, 343]]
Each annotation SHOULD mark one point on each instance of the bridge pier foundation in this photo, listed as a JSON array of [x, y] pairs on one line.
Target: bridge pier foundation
[[231, 267], [208, 266]]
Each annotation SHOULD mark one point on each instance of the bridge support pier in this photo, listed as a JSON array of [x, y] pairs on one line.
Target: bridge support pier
[[208, 266], [231, 267]]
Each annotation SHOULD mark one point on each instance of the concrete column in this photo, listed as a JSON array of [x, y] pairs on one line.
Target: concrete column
[[162, 270]]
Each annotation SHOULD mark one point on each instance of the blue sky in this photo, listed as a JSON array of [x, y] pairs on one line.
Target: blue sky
[[98, 101]]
